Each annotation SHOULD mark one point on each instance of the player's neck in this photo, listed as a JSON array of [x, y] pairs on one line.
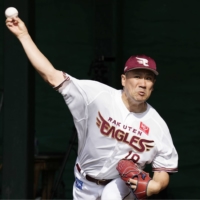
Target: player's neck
[[133, 106], [138, 108]]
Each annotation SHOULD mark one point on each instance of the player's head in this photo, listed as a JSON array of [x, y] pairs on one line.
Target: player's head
[[140, 62], [139, 78]]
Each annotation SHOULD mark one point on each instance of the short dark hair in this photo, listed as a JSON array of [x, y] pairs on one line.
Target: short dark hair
[[139, 69]]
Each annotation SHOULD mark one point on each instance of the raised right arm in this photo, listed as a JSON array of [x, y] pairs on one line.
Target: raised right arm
[[38, 60]]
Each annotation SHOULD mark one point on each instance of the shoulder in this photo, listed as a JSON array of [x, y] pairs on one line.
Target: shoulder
[[156, 117], [81, 83], [89, 89], [95, 87], [158, 125]]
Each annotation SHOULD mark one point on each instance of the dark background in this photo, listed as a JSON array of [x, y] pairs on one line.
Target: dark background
[[74, 33]]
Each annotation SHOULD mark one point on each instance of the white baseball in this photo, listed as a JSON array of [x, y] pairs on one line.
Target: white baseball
[[11, 12]]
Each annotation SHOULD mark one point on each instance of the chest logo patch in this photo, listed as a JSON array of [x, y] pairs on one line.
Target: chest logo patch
[[126, 134], [144, 128]]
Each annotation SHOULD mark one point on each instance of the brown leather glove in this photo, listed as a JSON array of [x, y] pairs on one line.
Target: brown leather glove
[[128, 169]]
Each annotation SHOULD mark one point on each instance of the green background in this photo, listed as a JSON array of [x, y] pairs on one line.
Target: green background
[[72, 33]]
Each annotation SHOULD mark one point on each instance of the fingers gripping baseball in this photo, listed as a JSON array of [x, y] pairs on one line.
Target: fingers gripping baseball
[[136, 178], [16, 26]]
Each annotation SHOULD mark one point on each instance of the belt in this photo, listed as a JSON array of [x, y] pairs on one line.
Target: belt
[[89, 178]]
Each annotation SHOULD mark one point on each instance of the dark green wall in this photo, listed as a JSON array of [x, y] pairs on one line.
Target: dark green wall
[[166, 30], [169, 32], [64, 33], [1, 67]]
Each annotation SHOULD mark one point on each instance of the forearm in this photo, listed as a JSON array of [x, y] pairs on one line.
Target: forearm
[[154, 188], [158, 183], [39, 61]]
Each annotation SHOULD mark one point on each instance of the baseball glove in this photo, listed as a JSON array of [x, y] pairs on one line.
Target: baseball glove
[[128, 169]]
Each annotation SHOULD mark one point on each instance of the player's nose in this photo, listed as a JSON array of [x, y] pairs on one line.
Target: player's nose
[[142, 82]]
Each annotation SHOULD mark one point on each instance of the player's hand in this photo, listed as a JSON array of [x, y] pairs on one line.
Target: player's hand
[[16, 26], [133, 183]]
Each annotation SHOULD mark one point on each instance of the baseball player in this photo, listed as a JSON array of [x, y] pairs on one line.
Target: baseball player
[[111, 125]]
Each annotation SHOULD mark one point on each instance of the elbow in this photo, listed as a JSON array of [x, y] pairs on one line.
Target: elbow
[[50, 80], [53, 78], [158, 188]]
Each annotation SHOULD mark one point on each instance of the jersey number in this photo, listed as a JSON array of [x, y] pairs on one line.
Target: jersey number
[[133, 156]]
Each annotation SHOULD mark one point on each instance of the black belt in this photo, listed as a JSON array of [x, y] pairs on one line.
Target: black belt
[[89, 178]]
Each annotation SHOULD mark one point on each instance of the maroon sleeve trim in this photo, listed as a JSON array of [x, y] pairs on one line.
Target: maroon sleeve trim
[[165, 169], [67, 78]]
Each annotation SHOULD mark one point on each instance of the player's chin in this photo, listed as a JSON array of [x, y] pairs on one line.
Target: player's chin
[[141, 99]]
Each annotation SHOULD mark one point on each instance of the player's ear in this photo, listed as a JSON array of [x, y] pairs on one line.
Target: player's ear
[[153, 84], [154, 80], [123, 79]]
